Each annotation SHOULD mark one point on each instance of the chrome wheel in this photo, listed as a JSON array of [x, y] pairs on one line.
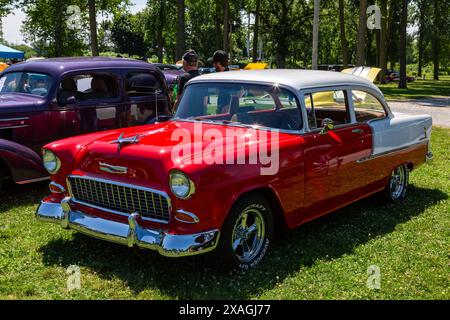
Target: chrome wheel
[[398, 182], [248, 235]]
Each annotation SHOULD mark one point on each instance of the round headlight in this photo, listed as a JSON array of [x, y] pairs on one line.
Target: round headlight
[[180, 185], [51, 162]]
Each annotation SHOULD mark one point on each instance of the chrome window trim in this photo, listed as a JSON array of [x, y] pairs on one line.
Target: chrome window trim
[[14, 119], [161, 193]]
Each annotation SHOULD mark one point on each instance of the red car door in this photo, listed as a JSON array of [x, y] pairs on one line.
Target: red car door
[[333, 177]]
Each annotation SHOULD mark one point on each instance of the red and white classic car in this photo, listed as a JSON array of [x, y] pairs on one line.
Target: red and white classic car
[[246, 152]]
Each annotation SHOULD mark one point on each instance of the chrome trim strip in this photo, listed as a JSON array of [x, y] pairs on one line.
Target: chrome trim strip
[[14, 119], [129, 234], [372, 157], [161, 193], [60, 187], [112, 169], [33, 180], [13, 127], [190, 214]]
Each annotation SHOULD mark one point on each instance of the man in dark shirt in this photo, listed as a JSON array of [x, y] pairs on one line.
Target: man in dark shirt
[[190, 66], [220, 61]]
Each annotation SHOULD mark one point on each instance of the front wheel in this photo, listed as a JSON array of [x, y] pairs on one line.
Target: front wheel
[[247, 232], [397, 186]]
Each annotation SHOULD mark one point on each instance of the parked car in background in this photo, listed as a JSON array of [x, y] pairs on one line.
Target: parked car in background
[[395, 76], [171, 73], [332, 138], [50, 99]]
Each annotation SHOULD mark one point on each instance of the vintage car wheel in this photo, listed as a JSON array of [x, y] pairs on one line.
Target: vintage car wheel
[[398, 184], [247, 232]]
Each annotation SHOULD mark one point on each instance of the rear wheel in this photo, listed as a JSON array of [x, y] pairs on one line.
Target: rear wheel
[[247, 232], [397, 186]]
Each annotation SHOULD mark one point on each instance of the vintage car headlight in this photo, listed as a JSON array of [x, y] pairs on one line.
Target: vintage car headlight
[[51, 162], [180, 185]]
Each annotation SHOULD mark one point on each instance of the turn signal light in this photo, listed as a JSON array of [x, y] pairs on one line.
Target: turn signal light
[[186, 217]]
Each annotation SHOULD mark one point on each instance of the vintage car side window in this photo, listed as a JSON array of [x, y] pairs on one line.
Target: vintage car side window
[[138, 84], [37, 84], [327, 104], [367, 107], [247, 104], [85, 87]]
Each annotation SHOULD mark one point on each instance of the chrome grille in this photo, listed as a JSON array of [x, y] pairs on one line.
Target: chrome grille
[[119, 198]]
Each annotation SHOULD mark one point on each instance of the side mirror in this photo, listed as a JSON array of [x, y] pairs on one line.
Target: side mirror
[[327, 125]]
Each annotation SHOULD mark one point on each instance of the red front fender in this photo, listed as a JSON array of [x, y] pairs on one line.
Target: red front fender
[[24, 164]]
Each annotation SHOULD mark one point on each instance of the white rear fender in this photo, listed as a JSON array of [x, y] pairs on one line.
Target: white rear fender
[[400, 131]]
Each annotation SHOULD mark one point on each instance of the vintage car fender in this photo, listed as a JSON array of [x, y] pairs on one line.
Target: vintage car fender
[[23, 164]]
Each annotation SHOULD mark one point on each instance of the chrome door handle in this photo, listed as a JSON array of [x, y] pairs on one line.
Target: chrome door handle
[[358, 131]]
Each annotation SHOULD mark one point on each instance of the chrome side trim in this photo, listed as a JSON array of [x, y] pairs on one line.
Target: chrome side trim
[[190, 214], [33, 180], [372, 157], [162, 193], [14, 119], [14, 127], [129, 234]]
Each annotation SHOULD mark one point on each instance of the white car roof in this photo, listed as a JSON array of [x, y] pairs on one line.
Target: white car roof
[[294, 78]]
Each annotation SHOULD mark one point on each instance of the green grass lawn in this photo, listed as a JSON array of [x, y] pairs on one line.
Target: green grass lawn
[[418, 89], [325, 259]]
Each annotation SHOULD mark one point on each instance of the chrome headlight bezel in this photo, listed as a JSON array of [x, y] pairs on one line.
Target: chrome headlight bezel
[[181, 185], [50, 161]]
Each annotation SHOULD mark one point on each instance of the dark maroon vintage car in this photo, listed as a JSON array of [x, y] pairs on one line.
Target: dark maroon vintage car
[[50, 99]]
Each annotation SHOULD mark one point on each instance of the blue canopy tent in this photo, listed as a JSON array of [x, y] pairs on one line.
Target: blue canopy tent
[[10, 53]]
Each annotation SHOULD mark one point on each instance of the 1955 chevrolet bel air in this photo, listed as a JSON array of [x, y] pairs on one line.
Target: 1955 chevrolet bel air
[[245, 153]]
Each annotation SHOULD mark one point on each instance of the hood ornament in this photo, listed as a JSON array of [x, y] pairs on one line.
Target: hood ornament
[[130, 140]]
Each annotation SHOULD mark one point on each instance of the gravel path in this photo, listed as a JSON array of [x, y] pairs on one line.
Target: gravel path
[[438, 108]]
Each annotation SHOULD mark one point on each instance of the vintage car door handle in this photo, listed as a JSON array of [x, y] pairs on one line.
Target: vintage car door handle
[[358, 131]]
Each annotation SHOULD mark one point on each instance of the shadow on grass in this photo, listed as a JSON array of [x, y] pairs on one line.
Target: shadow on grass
[[14, 195], [196, 277]]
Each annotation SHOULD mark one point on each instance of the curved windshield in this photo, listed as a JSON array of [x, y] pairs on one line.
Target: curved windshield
[[37, 84], [246, 104]]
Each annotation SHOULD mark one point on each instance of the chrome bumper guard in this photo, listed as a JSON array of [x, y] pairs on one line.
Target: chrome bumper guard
[[131, 234]]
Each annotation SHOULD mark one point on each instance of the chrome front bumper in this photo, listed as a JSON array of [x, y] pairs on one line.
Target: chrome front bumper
[[131, 234]]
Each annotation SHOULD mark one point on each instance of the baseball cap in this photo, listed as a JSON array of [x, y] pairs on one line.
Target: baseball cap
[[190, 56]]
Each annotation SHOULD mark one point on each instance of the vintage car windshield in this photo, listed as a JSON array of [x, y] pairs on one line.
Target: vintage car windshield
[[244, 104], [37, 84]]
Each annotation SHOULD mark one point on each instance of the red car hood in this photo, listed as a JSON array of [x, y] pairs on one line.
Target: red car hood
[[150, 158]]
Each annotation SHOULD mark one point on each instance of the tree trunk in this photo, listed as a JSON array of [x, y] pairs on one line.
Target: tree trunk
[[256, 32], [403, 23], [160, 39], [181, 39], [344, 44], [218, 23], [420, 47], [383, 41], [315, 42], [59, 29], [361, 37], [93, 27], [226, 26], [435, 44]]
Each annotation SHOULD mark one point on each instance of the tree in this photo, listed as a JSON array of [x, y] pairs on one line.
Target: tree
[[181, 26], [315, 38], [226, 26], [403, 24], [383, 41], [256, 32], [361, 39], [344, 45], [127, 34], [93, 27]]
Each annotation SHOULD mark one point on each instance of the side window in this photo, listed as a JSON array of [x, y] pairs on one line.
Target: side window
[[327, 104], [367, 107], [141, 84], [84, 87]]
